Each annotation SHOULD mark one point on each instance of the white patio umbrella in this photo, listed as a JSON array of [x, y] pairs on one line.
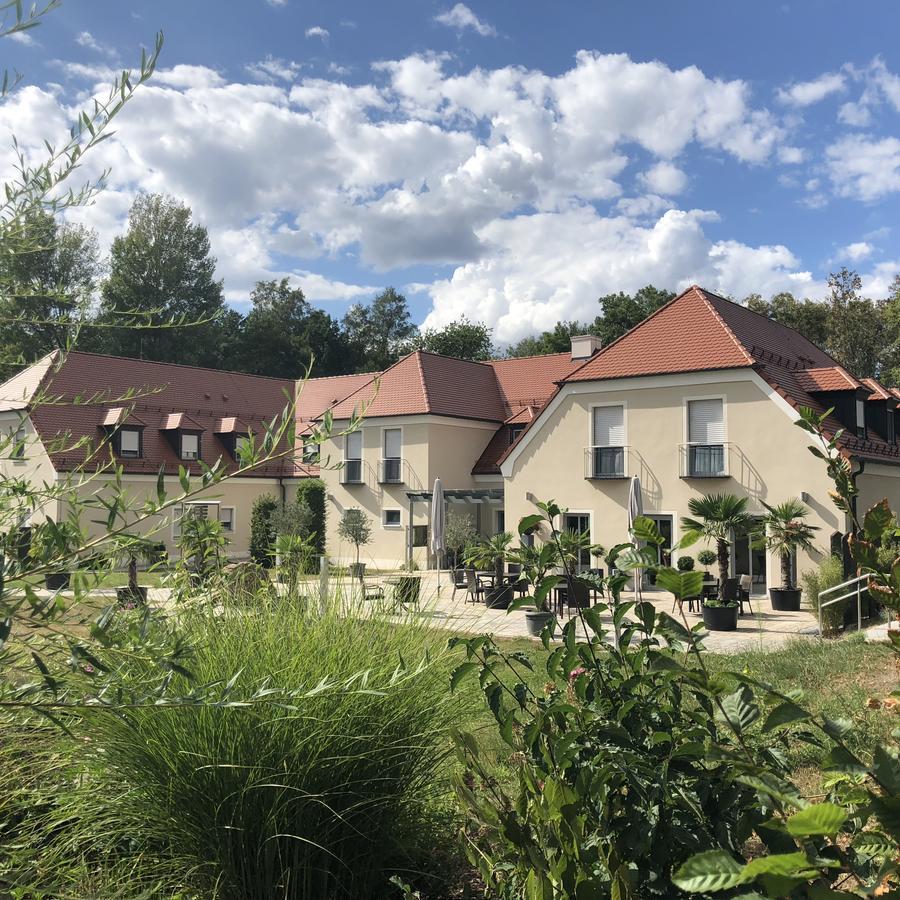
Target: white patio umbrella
[[635, 509], [437, 525]]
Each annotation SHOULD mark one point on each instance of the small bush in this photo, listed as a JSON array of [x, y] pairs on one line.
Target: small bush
[[829, 574], [685, 563], [262, 536], [706, 558]]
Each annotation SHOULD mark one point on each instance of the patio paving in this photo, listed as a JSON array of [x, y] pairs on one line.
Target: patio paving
[[764, 629]]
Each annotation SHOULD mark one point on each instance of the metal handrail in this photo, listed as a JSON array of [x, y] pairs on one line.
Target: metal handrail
[[857, 581]]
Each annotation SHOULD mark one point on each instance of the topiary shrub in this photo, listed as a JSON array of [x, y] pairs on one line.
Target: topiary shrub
[[829, 574], [685, 563], [262, 535], [311, 492]]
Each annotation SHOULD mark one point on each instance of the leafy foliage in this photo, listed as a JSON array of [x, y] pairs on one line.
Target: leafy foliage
[[262, 532], [356, 527], [311, 493], [786, 533]]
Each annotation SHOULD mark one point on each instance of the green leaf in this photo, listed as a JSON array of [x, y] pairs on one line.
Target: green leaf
[[817, 819], [873, 843], [646, 529], [592, 616], [460, 672], [877, 520], [739, 709], [886, 768], [527, 524], [783, 864], [714, 870], [785, 714]]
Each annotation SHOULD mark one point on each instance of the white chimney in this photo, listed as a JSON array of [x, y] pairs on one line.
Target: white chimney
[[584, 346]]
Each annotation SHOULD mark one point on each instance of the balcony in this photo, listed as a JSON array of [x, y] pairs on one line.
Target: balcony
[[352, 472], [390, 470], [605, 463], [704, 460]]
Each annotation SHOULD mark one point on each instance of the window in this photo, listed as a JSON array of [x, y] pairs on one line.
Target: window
[[353, 458], [190, 446], [391, 518], [514, 432], [860, 418], [226, 519], [310, 451], [607, 455], [242, 445], [420, 535], [499, 521], [890, 427], [706, 438], [130, 443], [192, 510], [18, 447], [392, 463]]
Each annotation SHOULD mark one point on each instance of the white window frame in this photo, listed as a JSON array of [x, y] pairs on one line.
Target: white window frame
[[196, 437], [19, 437], [137, 432], [178, 513], [233, 522], [583, 512], [311, 450], [392, 525], [387, 428], [686, 412]]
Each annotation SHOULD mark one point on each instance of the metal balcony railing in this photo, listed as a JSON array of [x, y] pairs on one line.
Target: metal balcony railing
[[352, 471], [605, 462], [704, 460], [390, 470]]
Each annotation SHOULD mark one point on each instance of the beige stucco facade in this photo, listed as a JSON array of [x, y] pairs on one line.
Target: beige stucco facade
[[432, 446], [768, 459]]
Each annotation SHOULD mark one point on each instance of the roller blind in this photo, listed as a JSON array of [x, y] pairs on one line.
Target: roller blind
[[609, 426], [706, 422], [392, 448], [354, 445]]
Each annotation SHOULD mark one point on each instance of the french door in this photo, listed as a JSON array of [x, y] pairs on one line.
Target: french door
[[580, 523]]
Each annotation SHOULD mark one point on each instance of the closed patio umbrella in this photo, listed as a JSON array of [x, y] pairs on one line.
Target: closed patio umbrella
[[635, 509], [437, 525]]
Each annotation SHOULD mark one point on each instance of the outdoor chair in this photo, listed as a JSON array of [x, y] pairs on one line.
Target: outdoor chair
[[744, 592], [578, 596], [460, 582], [474, 587], [519, 585]]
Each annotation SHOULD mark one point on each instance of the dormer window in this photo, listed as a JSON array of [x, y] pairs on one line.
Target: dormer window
[[514, 432], [129, 443], [190, 445], [860, 418]]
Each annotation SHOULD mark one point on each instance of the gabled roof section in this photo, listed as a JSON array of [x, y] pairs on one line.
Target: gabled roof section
[[879, 391], [17, 392], [179, 421], [530, 380], [120, 415], [424, 383], [686, 335], [315, 395], [826, 378]]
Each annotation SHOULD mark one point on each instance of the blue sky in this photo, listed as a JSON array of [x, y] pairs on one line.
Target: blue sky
[[505, 161]]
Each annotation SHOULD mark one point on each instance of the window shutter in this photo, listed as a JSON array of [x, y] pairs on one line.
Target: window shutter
[[609, 426], [354, 445], [392, 448], [706, 422]]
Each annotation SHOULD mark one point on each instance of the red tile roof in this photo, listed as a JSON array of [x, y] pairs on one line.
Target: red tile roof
[[700, 331], [826, 378], [879, 391], [88, 387]]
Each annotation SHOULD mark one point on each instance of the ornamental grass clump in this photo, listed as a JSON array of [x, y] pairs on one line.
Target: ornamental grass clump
[[322, 778]]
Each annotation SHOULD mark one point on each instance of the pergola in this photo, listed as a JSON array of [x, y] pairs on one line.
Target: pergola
[[474, 496]]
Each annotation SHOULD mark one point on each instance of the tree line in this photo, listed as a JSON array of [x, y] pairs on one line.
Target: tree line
[[161, 272]]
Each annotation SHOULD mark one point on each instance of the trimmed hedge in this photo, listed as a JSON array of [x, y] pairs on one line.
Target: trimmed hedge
[[262, 536], [311, 491]]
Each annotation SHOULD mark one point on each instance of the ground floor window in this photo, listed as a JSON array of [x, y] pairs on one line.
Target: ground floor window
[[391, 518], [748, 558], [499, 521], [580, 523], [226, 517], [666, 526]]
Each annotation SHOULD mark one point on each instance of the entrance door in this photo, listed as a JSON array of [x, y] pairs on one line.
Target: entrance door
[[748, 559], [666, 526], [580, 523]]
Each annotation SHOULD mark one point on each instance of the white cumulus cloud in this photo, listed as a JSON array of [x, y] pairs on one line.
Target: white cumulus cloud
[[461, 17], [317, 31], [806, 93], [665, 178], [864, 167]]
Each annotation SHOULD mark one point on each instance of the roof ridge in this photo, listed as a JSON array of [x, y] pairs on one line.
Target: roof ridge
[[418, 355], [738, 343]]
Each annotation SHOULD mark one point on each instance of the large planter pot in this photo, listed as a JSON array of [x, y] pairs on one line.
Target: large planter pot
[[357, 570], [57, 581], [127, 595], [536, 621], [720, 618], [499, 597], [785, 599]]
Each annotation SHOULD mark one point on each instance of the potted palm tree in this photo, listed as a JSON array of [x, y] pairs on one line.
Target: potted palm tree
[[785, 534], [54, 545], [492, 553], [356, 528], [134, 550], [537, 561], [717, 518]]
